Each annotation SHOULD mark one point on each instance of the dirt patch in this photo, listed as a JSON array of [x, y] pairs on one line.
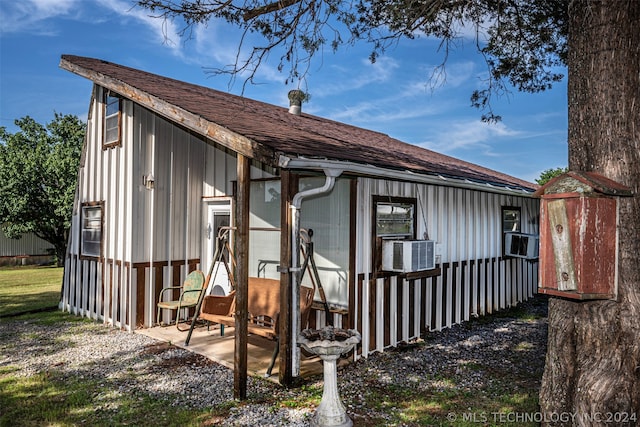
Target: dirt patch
[[158, 348], [172, 357]]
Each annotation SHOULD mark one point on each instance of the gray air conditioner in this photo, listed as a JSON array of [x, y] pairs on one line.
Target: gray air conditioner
[[408, 255], [521, 245]]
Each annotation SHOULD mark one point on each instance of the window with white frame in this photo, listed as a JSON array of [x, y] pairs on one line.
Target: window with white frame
[[91, 236], [112, 119]]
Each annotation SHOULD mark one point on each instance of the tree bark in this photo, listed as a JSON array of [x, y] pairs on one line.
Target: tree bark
[[592, 372]]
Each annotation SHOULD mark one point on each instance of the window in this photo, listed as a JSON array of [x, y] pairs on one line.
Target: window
[[510, 224], [510, 219], [91, 238], [394, 218], [111, 129]]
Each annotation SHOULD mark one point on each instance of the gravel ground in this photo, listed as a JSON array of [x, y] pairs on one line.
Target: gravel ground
[[473, 353]]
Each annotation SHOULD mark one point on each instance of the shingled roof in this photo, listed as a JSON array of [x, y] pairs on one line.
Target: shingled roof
[[266, 132]]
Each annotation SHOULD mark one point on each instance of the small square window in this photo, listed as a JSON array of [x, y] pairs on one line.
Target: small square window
[[112, 116], [91, 237], [510, 219]]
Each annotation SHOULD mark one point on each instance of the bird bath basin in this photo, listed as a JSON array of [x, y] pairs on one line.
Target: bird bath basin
[[329, 343]]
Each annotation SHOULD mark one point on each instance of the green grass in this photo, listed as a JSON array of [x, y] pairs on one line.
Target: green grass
[[51, 399], [29, 288]]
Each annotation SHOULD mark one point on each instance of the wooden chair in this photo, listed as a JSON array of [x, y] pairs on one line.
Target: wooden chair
[[189, 296]]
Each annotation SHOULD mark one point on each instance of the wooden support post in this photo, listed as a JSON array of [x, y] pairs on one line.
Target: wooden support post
[[242, 278], [288, 187]]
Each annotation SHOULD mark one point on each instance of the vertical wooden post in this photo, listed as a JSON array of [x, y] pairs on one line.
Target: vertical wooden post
[[242, 284], [288, 187]]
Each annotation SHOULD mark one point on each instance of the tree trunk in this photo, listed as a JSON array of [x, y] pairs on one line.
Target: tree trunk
[[592, 373], [61, 253]]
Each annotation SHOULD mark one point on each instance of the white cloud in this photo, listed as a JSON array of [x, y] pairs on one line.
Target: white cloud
[[356, 75], [209, 46], [389, 110], [380, 71], [366, 100], [31, 15], [469, 32], [52, 7], [452, 75], [39, 17], [165, 31], [467, 135], [217, 47]]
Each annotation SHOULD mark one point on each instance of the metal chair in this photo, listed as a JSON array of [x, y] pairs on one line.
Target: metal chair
[[189, 296]]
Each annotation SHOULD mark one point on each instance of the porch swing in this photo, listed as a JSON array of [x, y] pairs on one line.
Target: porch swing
[[222, 302], [263, 296]]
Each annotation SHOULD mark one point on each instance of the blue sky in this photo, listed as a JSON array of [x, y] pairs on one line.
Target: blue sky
[[392, 96]]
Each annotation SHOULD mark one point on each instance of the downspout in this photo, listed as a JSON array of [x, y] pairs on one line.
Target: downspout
[[296, 203]]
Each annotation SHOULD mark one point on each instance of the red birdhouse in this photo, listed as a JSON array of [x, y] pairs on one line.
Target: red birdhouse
[[579, 236]]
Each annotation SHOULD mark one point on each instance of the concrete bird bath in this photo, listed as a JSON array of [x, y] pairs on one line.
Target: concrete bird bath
[[329, 343]]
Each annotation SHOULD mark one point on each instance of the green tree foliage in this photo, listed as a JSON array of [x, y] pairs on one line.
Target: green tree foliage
[[523, 42], [38, 175], [549, 174]]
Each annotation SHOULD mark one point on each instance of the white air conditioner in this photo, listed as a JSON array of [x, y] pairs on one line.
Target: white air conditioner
[[408, 255], [521, 245]]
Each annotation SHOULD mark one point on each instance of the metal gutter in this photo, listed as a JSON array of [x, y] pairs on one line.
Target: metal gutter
[[375, 171]]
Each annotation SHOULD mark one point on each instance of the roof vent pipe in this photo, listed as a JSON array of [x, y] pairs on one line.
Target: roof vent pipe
[[296, 97]]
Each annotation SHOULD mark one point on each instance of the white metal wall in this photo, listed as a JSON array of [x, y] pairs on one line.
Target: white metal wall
[[475, 279], [99, 288], [169, 219]]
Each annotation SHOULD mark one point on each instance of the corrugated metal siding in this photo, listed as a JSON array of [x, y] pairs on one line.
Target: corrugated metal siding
[[475, 279], [27, 244], [220, 172], [99, 288]]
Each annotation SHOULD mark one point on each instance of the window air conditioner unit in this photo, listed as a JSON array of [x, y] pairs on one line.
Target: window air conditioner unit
[[408, 255], [521, 245]]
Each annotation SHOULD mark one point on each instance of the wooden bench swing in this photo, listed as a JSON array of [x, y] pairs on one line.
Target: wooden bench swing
[[263, 298]]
